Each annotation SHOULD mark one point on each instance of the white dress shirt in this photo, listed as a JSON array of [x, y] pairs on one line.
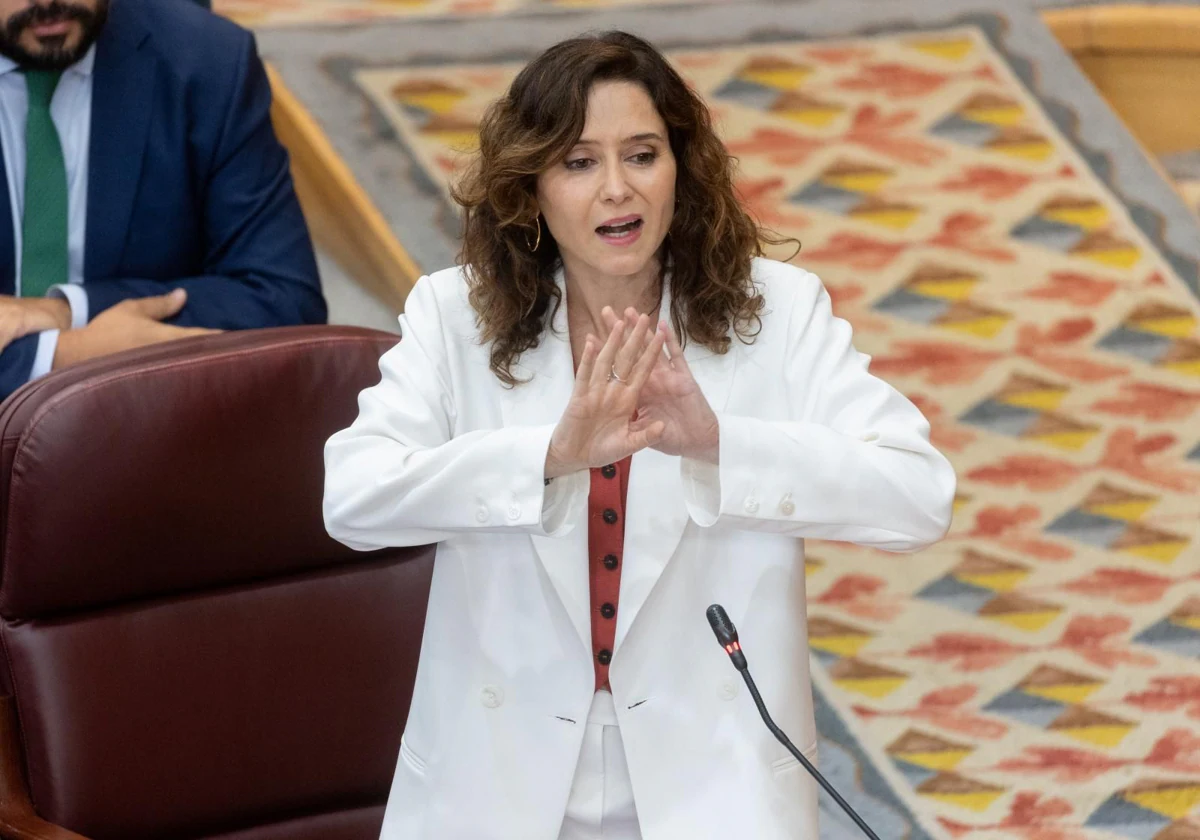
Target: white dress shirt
[[71, 111]]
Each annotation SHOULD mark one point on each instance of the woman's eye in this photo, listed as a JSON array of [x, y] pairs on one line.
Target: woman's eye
[[644, 157], [578, 163]]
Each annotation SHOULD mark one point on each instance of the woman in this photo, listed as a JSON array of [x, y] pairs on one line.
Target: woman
[[615, 414]]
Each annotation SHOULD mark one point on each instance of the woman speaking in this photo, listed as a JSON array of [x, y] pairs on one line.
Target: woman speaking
[[614, 413]]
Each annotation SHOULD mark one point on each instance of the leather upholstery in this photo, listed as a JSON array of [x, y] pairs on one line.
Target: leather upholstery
[[343, 825], [191, 655], [212, 458]]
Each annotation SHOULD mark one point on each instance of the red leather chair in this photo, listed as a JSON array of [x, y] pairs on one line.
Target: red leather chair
[[186, 653]]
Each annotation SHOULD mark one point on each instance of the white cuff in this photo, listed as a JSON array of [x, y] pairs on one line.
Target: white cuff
[[43, 361], [76, 298], [546, 509], [701, 490], [564, 501]]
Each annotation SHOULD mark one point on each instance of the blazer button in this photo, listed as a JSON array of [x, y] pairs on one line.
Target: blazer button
[[608, 610], [787, 508], [751, 505], [610, 561], [728, 689], [481, 515], [609, 472], [604, 656], [514, 513], [610, 516], [491, 696]]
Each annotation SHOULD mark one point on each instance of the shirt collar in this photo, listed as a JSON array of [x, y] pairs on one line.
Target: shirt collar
[[82, 67]]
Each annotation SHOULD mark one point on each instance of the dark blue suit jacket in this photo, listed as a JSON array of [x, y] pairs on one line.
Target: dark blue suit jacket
[[187, 184]]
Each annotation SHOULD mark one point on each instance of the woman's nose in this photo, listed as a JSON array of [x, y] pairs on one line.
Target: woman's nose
[[615, 187]]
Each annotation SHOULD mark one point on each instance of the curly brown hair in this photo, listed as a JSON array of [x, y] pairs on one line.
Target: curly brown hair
[[708, 248]]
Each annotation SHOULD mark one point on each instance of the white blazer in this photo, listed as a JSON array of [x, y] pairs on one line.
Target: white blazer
[[811, 445]]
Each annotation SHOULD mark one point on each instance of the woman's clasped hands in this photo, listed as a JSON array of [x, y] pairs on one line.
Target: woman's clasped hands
[[630, 395]]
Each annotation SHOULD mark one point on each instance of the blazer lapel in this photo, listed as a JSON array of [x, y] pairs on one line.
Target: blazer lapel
[[548, 374], [656, 515], [122, 84], [8, 248]]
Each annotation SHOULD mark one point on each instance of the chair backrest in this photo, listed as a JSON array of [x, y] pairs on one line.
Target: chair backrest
[[189, 653]]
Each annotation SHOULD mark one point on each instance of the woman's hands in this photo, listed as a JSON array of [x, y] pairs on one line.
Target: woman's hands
[[599, 426], [652, 401], [672, 397]]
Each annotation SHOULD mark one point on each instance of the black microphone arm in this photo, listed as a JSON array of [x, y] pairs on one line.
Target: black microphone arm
[[727, 635]]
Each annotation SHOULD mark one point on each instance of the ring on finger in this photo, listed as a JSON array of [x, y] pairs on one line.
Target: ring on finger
[[613, 377]]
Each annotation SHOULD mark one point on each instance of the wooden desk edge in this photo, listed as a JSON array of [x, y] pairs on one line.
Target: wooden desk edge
[[343, 219], [1126, 29]]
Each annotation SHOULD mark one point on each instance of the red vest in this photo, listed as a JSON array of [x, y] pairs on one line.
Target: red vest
[[606, 543]]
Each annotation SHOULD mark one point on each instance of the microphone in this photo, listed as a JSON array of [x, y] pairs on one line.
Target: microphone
[[727, 635]]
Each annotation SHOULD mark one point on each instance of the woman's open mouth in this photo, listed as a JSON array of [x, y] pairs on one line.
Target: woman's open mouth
[[623, 232]]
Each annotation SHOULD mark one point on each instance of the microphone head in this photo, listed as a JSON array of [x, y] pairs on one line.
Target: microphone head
[[718, 619]]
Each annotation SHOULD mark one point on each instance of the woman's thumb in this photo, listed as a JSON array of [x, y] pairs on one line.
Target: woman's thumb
[[651, 434]]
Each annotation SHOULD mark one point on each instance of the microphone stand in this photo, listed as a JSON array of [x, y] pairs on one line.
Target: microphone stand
[[808, 765], [727, 635]]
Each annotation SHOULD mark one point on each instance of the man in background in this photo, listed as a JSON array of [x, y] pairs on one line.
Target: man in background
[[144, 195]]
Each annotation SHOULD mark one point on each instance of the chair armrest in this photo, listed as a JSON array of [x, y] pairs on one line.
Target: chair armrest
[[18, 821]]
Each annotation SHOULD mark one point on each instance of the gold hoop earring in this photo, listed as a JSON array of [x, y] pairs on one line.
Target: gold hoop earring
[[533, 248]]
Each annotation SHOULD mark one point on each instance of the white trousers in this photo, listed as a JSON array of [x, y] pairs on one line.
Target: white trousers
[[601, 803]]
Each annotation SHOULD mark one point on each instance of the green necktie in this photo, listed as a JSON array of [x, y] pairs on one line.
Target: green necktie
[[44, 219]]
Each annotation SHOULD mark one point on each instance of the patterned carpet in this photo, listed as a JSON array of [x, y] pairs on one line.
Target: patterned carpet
[[1037, 674], [260, 13]]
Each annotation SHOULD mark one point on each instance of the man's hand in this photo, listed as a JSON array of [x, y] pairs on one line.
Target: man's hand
[[22, 316], [128, 324]]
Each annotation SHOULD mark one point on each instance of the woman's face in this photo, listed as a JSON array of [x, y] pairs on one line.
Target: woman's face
[[609, 202]]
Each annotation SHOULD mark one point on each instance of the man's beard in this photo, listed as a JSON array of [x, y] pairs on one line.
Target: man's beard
[[54, 55]]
